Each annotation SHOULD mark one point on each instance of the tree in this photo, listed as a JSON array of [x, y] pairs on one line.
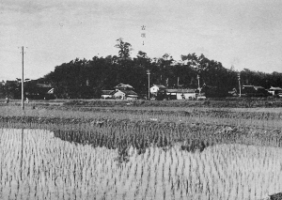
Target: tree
[[81, 78], [124, 49]]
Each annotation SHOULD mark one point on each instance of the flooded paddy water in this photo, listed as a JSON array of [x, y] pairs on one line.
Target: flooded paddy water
[[41, 164]]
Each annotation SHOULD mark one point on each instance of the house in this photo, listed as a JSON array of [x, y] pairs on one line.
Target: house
[[254, 91], [158, 92], [124, 94], [181, 93], [39, 89], [157, 88], [122, 91], [275, 90], [107, 94], [122, 86]]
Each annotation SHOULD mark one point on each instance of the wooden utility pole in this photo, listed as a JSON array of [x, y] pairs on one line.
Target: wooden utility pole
[[239, 83], [198, 77], [148, 73], [22, 77], [177, 82]]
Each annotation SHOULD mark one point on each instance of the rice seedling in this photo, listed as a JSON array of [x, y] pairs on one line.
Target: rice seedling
[[181, 154]]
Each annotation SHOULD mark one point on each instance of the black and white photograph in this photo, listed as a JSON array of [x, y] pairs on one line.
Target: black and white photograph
[[140, 100]]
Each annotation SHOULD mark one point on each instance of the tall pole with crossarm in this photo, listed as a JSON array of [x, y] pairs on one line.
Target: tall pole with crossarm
[[148, 73], [22, 78], [239, 83], [199, 88]]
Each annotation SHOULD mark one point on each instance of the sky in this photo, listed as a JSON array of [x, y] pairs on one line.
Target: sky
[[238, 33]]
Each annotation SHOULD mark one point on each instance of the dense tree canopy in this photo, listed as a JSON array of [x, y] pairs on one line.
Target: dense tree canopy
[[81, 78]]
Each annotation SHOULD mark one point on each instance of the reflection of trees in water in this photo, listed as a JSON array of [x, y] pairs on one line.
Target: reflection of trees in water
[[194, 145], [123, 140], [192, 139], [113, 140]]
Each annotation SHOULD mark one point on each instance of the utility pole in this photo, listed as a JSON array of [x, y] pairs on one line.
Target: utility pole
[[198, 77], [148, 73], [177, 82], [22, 77], [239, 83]]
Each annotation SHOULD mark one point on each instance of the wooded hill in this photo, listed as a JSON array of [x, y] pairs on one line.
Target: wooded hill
[[81, 78]]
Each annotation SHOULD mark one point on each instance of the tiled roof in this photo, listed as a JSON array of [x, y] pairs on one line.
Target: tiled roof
[[250, 86], [253, 86], [181, 90], [160, 86], [258, 87], [123, 86], [128, 92], [275, 88], [107, 92]]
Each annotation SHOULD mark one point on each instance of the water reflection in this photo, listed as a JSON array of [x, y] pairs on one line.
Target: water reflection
[[37, 165], [112, 140], [123, 143], [22, 149]]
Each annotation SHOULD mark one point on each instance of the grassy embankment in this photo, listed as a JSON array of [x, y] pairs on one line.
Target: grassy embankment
[[177, 112]]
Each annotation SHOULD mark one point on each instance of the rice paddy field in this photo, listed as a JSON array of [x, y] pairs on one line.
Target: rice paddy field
[[74, 152]]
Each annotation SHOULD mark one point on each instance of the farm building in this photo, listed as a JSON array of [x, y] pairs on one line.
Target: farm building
[[125, 94], [181, 93], [107, 94], [254, 91], [38, 89], [122, 86], [122, 91], [274, 90], [157, 88]]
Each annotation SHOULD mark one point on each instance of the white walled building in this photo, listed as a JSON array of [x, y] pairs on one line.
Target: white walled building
[[155, 88]]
